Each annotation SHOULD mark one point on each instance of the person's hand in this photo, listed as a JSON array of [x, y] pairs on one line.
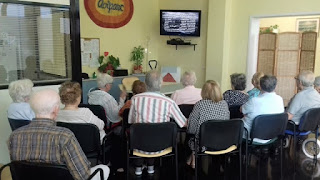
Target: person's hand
[[123, 94]]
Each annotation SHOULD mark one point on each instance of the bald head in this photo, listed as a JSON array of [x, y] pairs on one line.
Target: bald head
[[45, 103]]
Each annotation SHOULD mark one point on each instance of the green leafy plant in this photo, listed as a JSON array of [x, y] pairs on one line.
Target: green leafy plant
[[115, 62], [137, 55]]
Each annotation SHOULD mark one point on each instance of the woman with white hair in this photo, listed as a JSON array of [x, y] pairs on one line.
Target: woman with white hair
[[103, 98], [189, 94], [20, 91], [317, 84]]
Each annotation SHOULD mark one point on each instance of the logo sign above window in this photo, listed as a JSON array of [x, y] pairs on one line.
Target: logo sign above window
[[109, 13]]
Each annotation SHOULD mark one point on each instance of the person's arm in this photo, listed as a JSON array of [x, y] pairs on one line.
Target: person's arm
[[193, 120], [131, 117], [112, 109], [76, 161], [93, 119], [177, 115], [294, 107], [125, 106]]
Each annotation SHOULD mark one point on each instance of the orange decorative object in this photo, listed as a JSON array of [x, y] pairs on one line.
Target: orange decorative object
[[109, 13]]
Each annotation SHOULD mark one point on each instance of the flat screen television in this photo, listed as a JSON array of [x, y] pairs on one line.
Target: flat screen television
[[180, 22]]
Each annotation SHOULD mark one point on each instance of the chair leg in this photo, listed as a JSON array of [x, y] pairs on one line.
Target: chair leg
[[281, 149], [316, 147], [196, 164], [240, 162], [177, 166]]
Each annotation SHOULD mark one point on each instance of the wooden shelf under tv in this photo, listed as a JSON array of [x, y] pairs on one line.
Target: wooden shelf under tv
[[194, 45]]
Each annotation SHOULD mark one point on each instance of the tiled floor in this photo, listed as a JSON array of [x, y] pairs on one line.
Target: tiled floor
[[267, 169]]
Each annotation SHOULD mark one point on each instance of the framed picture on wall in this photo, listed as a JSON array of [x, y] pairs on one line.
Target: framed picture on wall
[[311, 24]]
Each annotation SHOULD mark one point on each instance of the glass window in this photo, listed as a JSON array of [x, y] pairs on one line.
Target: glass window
[[34, 43]]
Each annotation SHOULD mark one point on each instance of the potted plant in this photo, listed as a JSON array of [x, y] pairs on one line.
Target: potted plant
[[137, 56], [274, 28], [109, 66]]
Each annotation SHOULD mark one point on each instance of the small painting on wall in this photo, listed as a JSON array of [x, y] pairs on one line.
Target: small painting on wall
[[304, 25]]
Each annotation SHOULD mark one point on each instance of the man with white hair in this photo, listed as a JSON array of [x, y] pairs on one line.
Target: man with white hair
[[43, 141], [153, 107], [305, 99], [103, 98], [189, 94]]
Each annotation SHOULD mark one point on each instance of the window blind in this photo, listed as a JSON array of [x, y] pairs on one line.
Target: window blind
[[34, 43]]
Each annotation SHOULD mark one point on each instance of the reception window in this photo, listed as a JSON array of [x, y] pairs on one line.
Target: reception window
[[34, 43]]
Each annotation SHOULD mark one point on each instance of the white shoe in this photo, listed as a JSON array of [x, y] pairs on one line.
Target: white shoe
[[138, 171], [150, 169]]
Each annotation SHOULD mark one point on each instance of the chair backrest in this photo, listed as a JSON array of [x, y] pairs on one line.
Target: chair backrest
[[22, 170], [153, 137], [310, 120], [269, 126], [218, 135], [127, 82], [87, 135], [16, 123], [235, 112], [186, 109], [96, 110]]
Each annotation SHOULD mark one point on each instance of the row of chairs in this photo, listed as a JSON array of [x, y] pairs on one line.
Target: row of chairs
[[259, 131]]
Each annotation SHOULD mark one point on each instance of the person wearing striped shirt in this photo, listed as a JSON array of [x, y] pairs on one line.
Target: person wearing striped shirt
[[153, 107], [43, 141]]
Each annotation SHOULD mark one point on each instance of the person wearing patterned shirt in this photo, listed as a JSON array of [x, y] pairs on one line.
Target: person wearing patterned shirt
[[211, 107], [236, 96], [43, 141], [153, 107], [103, 98]]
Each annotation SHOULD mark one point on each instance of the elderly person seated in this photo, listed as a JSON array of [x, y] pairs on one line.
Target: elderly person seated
[[237, 96], [256, 83], [211, 107], [137, 88], [268, 102], [20, 91], [70, 95], [189, 94], [43, 141], [153, 107], [317, 84], [103, 98], [305, 99]]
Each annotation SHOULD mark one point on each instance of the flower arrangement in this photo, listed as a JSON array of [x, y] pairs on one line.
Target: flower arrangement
[[108, 64]]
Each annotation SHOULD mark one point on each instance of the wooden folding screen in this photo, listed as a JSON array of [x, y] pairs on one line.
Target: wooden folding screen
[[308, 51], [285, 55], [287, 64], [266, 54]]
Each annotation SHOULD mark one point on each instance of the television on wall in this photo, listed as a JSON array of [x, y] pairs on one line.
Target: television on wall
[[180, 22]]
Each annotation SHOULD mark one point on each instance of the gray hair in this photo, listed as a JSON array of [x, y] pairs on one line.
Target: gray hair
[[103, 79], [20, 90], [153, 81], [238, 81], [44, 102], [306, 78], [268, 83], [189, 78], [317, 81]]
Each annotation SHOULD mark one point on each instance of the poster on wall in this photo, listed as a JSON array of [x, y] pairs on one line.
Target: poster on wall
[[109, 13]]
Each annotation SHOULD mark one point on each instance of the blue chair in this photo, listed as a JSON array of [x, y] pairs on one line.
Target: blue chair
[[309, 123], [17, 123]]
